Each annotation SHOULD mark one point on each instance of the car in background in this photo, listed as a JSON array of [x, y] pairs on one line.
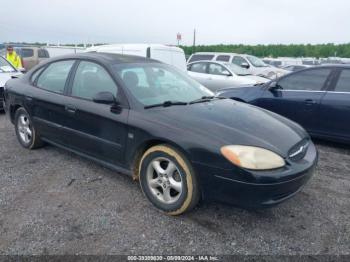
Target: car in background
[[218, 75], [7, 70], [253, 64], [170, 55], [31, 56], [294, 68], [318, 98], [152, 121]]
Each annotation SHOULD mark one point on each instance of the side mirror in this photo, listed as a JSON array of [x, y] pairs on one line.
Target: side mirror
[[105, 98], [274, 85], [245, 65]]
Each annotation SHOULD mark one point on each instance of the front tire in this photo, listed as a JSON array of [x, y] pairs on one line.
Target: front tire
[[168, 180], [25, 130]]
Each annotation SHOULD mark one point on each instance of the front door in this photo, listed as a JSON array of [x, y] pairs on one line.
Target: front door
[[298, 96], [98, 130]]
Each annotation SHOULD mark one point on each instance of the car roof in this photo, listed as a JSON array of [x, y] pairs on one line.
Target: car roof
[[108, 58], [214, 53], [210, 61], [101, 48]]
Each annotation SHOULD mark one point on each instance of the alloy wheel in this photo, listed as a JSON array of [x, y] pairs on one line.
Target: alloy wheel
[[164, 180]]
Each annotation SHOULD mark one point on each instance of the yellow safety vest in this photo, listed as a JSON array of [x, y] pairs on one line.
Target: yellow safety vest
[[14, 59]]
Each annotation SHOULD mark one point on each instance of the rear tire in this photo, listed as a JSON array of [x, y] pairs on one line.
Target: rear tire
[[168, 180], [25, 130]]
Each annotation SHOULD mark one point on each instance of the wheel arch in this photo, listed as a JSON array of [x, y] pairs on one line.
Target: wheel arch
[[144, 146], [13, 109]]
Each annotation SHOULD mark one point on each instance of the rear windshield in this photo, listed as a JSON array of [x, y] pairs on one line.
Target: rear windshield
[[195, 58], [6, 67]]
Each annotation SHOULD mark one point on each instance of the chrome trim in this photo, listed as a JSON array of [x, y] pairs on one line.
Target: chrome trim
[[310, 91]]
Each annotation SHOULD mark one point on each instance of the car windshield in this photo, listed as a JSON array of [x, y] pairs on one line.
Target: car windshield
[[257, 62], [155, 83], [237, 69], [6, 67]]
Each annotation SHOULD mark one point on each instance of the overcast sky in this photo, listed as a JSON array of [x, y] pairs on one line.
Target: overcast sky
[[158, 21]]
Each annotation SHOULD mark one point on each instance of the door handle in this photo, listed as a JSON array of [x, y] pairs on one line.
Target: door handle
[[70, 109], [310, 101]]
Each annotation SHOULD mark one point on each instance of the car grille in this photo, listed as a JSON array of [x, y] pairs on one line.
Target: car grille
[[298, 151]]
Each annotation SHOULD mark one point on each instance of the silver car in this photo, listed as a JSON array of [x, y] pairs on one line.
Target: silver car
[[218, 75], [6, 72]]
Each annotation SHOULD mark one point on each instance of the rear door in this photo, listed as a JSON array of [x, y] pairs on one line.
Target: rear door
[[298, 96], [48, 99], [98, 130], [335, 107]]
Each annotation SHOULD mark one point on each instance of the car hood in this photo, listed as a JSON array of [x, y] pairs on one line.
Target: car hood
[[7, 76], [228, 122], [257, 79]]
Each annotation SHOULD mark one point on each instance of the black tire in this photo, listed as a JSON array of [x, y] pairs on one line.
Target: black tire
[[34, 140], [190, 193]]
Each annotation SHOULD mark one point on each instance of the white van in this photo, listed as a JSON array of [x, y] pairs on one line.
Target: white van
[[171, 55]]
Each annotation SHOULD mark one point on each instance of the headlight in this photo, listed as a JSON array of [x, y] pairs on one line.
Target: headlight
[[251, 157]]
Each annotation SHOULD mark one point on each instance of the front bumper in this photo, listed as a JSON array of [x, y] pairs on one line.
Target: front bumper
[[263, 192]]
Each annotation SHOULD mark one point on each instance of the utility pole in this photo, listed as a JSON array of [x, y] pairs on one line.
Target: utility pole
[[194, 41]]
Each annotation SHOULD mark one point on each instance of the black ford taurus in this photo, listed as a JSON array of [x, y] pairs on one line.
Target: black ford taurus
[[146, 119]]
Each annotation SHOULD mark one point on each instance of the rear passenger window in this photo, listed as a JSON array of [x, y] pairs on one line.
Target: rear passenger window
[[343, 84], [195, 58], [215, 69], [198, 68], [55, 76], [224, 58], [310, 80], [91, 79], [42, 53], [26, 52]]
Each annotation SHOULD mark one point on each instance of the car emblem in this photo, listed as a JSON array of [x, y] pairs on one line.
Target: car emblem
[[299, 151]]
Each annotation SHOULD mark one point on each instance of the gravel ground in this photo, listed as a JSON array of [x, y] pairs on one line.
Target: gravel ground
[[54, 202]]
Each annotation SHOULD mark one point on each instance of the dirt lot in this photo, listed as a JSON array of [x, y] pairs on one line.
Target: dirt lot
[[54, 202]]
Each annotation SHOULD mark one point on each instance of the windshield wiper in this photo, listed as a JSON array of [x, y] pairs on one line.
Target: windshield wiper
[[206, 99], [166, 104]]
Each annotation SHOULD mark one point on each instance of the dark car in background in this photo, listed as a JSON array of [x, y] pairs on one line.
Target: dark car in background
[[149, 120], [317, 98]]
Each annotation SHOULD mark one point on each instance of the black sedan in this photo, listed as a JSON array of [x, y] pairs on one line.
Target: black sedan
[[317, 98], [144, 118]]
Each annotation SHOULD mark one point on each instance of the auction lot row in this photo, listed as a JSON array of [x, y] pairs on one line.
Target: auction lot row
[[55, 202]]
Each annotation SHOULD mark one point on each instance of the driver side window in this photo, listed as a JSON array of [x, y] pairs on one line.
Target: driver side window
[[310, 80], [90, 79], [238, 60], [215, 69]]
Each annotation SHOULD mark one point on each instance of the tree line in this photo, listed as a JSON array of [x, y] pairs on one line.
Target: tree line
[[292, 50]]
